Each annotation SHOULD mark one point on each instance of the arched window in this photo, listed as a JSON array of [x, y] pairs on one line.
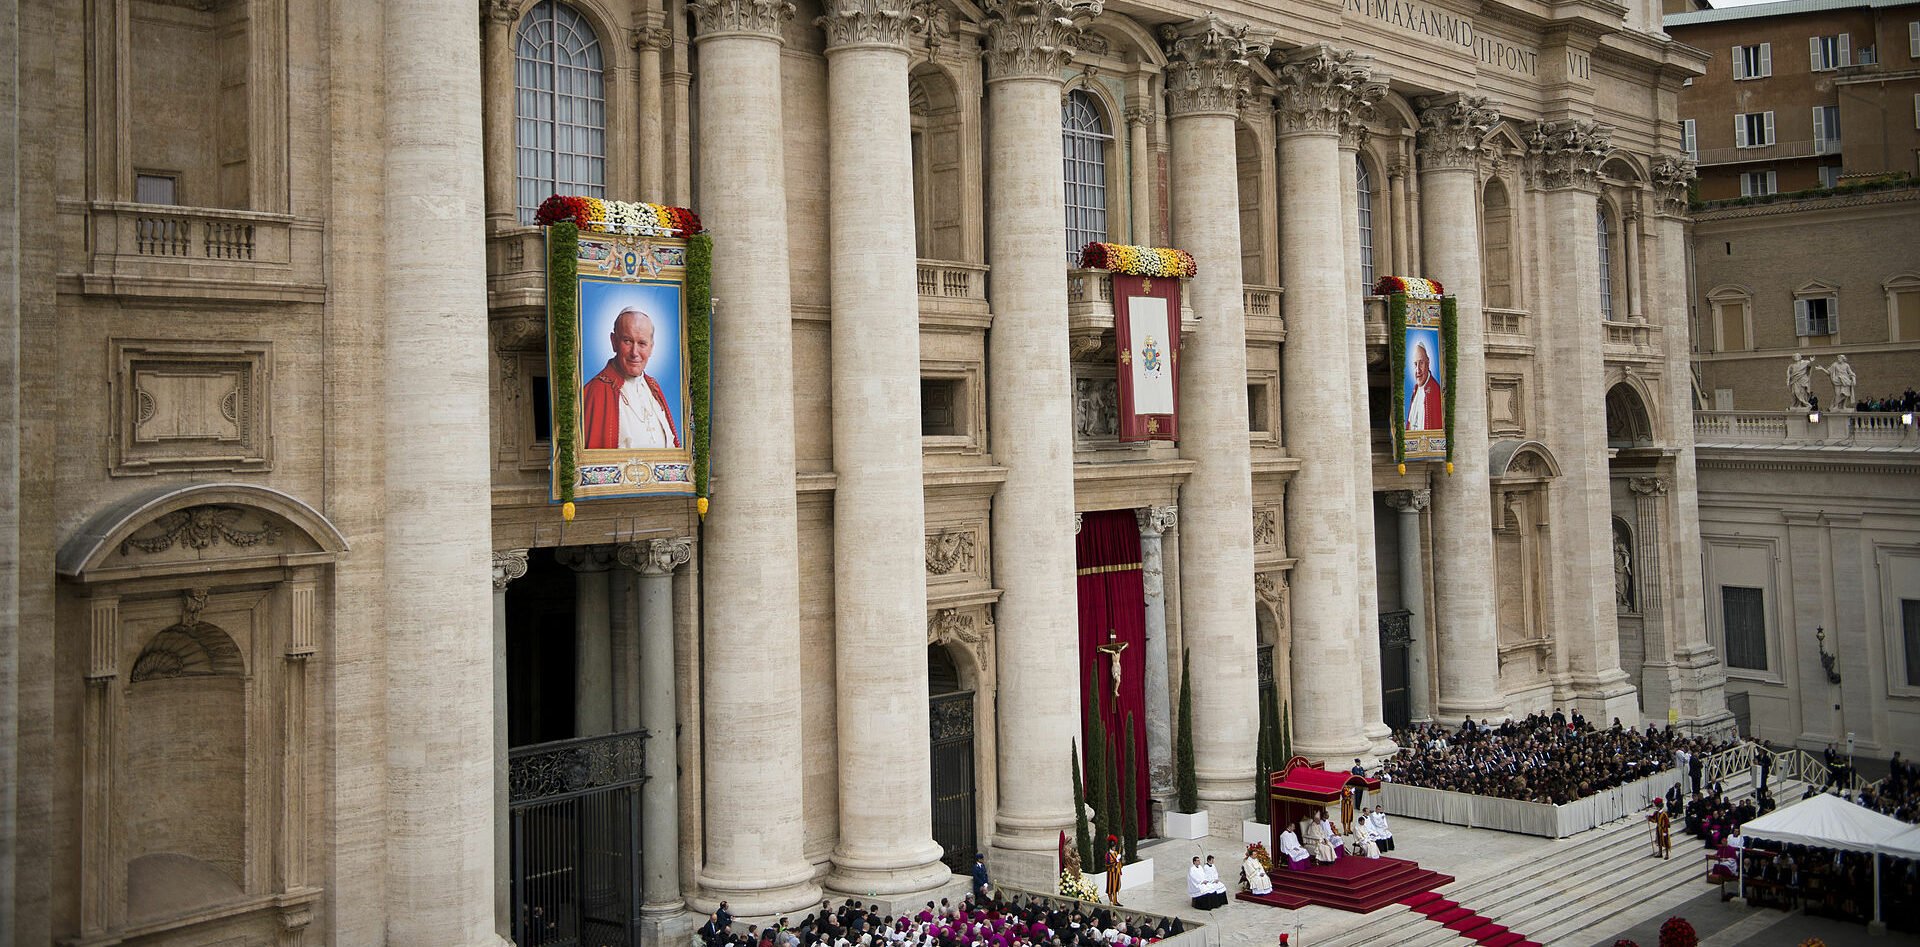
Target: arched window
[[1605, 238], [1083, 141], [560, 130], [1496, 250], [1363, 199]]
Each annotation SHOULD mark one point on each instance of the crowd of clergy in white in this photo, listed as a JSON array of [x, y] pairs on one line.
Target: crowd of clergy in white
[[1314, 840]]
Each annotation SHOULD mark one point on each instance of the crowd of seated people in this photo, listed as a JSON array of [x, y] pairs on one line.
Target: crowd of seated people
[[1019, 922], [1830, 883], [1541, 758], [1899, 794]]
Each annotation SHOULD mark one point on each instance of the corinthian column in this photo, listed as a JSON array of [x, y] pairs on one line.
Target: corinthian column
[[655, 560], [498, 18], [1352, 134], [1155, 523], [439, 749], [1028, 42], [1207, 70], [1565, 156], [1698, 683], [755, 827], [1466, 638], [879, 524], [1316, 86]]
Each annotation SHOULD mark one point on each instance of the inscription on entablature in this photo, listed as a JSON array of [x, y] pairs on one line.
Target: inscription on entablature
[[1461, 33]]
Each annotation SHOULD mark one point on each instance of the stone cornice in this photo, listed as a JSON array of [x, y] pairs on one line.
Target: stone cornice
[[1323, 90], [1672, 175], [723, 17], [1033, 39], [1209, 65], [1453, 129], [1809, 204], [867, 23], [1567, 153]]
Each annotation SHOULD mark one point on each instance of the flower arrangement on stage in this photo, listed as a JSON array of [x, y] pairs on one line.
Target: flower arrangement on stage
[[1076, 886], [627, 217], [1138, 261], [1623, 942], [1676, 932]]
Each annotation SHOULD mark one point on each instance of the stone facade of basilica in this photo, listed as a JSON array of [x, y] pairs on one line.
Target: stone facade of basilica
[[285, 604]]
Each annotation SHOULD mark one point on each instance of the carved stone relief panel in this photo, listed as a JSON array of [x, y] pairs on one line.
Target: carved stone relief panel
[[1096, 409], [1506, 405], [1266, 528], [954, 554], [190, 406]]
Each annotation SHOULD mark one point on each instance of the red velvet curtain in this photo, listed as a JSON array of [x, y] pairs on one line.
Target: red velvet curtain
[[1113, 611]]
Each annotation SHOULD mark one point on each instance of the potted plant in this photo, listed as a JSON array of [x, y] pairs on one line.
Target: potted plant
[[1189, 822]]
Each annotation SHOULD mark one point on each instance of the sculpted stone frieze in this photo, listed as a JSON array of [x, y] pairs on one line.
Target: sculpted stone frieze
[[950, 552], [1453, 129], [1034, 39], [199, 527], [1209, 65], [1568, 153], [740, 16], [867, 22], [1322, 89], [1673, 175]]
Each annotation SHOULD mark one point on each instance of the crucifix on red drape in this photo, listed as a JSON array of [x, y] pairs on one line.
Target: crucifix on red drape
[[1113, 629]]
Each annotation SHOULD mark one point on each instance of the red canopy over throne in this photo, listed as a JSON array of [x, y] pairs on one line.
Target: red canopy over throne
[[1305, 786]]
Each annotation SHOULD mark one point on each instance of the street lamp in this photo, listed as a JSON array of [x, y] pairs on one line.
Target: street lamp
[[1826, 657]]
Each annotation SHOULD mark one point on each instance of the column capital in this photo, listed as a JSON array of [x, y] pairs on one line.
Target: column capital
[[1452, 127], [656, 37], [1648, 486], [1078, 519], [1321, 89], [656, 556], [585, 558], [1268, 586], [1033, 39], [721, 17], [1567, 154], [1139, 115], [1409, 501], [1209, 65], [1673, 177], [1157, 520], [505, 12], [884, 23], [508, 565]]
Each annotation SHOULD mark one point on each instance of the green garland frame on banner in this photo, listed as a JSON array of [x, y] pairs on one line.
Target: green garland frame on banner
[[1397, 355], [563, 250]]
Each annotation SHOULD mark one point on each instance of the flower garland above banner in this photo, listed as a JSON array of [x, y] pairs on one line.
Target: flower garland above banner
[[1422, 326], [618, 217], [629, 305], [1138, 261]]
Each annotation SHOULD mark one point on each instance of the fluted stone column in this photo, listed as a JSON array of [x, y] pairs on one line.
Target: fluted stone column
[[1413, 598], [1698, 688], [1027, 44], [439, 752], [508, 565], [655, 560], [1565, 158], [592, 637], [1207, 71], [1352, 134], [498, 19], [1140, 166], [879, 525], [1155, 523], [1315, 86], [755, 844], [1465, 634], [648, 45]]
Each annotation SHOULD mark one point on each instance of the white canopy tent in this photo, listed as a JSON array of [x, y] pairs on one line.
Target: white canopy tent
[[1828, 821]]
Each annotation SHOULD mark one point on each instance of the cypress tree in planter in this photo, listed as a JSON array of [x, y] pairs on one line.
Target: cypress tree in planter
[[1263, 760], [1185, 787], [1097, 767], [1081, 840], [1129, 803]]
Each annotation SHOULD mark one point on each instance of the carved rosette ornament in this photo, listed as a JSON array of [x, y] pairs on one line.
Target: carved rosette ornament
[[867, 23], [508, 565], [1452, 129], [1034, 39], [1673, 177], [1323, 90], [1567, 154], [755, 17], [1209, 65]]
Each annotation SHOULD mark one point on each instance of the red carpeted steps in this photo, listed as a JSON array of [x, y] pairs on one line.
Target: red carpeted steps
[[1464, 921], [1360, 885]]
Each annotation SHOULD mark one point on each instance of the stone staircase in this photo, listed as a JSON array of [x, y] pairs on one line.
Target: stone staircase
[[1574, 895]]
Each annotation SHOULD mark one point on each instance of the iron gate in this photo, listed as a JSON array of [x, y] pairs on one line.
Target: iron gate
[[1396, 636], [950, 734], [575, 808]]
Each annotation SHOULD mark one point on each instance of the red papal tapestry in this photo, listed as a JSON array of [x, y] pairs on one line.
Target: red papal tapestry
[[1146, 336]]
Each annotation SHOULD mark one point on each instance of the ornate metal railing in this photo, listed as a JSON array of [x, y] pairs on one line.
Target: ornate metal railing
[[566, 768]]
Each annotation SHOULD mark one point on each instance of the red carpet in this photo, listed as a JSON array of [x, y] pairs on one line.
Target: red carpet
[[1464, 921], [1360, 885]]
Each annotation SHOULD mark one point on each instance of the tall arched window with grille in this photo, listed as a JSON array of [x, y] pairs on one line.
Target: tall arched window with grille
[[1083, 141], [1605, 238], [560, 128], [1363, 199]]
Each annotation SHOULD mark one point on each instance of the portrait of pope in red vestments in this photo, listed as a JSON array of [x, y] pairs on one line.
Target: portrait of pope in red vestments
[[622, 407], [1426, 402]]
